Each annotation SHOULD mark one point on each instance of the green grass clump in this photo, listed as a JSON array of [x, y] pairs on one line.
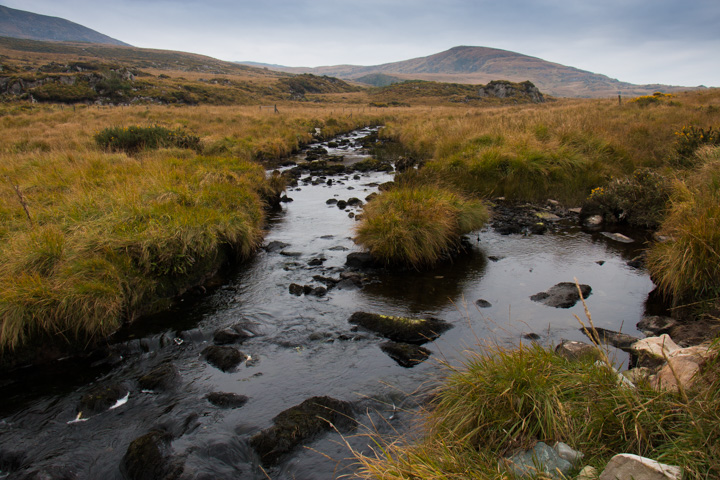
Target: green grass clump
[[687, 266], [135, 138], [417, 225], [504, 400]]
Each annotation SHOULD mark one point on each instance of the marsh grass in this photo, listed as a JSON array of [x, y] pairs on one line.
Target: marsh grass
[[501, 400], [417, 226], [687, 266]]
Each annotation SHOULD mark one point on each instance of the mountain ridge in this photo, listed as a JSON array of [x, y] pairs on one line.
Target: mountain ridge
[[34, 26], [480, 65]]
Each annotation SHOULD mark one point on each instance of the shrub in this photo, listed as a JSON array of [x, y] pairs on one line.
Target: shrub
[[133, 139], [687, 266], [690, 138], [639, 199], [417, 225], [654, 99]]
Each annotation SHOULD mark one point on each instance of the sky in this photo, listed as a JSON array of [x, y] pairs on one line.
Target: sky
[[673, 42]]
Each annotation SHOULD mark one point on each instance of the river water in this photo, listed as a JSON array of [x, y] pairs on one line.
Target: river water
[[304, 346]]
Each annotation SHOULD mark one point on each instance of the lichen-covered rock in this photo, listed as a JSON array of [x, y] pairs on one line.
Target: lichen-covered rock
[[401, 329], [562, 295], [541, 459], [405, 354], [300, 423]]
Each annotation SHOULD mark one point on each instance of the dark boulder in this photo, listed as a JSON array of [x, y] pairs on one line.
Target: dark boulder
[[317, 261], [301, 423], [354, 202], [342, 204], [296, 289], [149, 457], [360, 260], [562, 295], [481, 303], [405, 354], [165, 377], [226, 400], [401, 329], [654, 326], [223, 357]]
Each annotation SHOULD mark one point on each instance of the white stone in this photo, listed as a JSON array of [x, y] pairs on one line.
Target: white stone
[[656, 347], [626, 466]]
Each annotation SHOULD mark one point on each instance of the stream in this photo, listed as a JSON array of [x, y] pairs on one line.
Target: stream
[[301, 346]]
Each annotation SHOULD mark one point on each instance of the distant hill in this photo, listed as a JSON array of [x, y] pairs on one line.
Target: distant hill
[[21, 24], [480, 65]]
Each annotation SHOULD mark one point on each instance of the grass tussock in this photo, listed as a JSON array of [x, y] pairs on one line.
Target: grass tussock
[[687, 265], [503, 400], [417, 225]]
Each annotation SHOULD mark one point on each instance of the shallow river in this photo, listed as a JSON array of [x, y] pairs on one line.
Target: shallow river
[[304, 345]]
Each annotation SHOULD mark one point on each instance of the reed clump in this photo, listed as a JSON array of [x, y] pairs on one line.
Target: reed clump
[[417, 225], [504, 400]]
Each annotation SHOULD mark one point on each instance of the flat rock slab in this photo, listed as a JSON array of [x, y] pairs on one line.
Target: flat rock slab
[[626, 465], [299, 424], [562, 295], [406, 354], [401, 329]]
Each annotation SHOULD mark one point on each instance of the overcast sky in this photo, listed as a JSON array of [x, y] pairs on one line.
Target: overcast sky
[[673, 42]]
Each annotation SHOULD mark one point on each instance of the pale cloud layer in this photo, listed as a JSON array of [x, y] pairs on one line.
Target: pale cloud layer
[[638, 41]]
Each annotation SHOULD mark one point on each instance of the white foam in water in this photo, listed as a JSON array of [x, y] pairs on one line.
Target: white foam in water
[[121, 401], [78, 419]]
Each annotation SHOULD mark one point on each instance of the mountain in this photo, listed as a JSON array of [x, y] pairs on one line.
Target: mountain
[[22, 24], [480, 65]]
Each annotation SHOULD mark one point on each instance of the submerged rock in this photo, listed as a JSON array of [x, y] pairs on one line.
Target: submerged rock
[[101, 398], [234, 334], [275, 246], [619, 340], [165, 377], [401, 329], [405, 354], [226, 400], [300, 423], [481, 303], [149, 457], [223, 357], [618, 237], [562, 295]]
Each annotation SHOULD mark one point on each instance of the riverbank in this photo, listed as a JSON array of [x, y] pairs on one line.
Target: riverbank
[[101, 225]]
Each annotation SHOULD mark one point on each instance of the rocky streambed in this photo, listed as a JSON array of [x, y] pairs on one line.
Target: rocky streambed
[[300, 351]]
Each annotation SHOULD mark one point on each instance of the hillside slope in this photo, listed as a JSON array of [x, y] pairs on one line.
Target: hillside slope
[[480, 65], [21, 24]]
